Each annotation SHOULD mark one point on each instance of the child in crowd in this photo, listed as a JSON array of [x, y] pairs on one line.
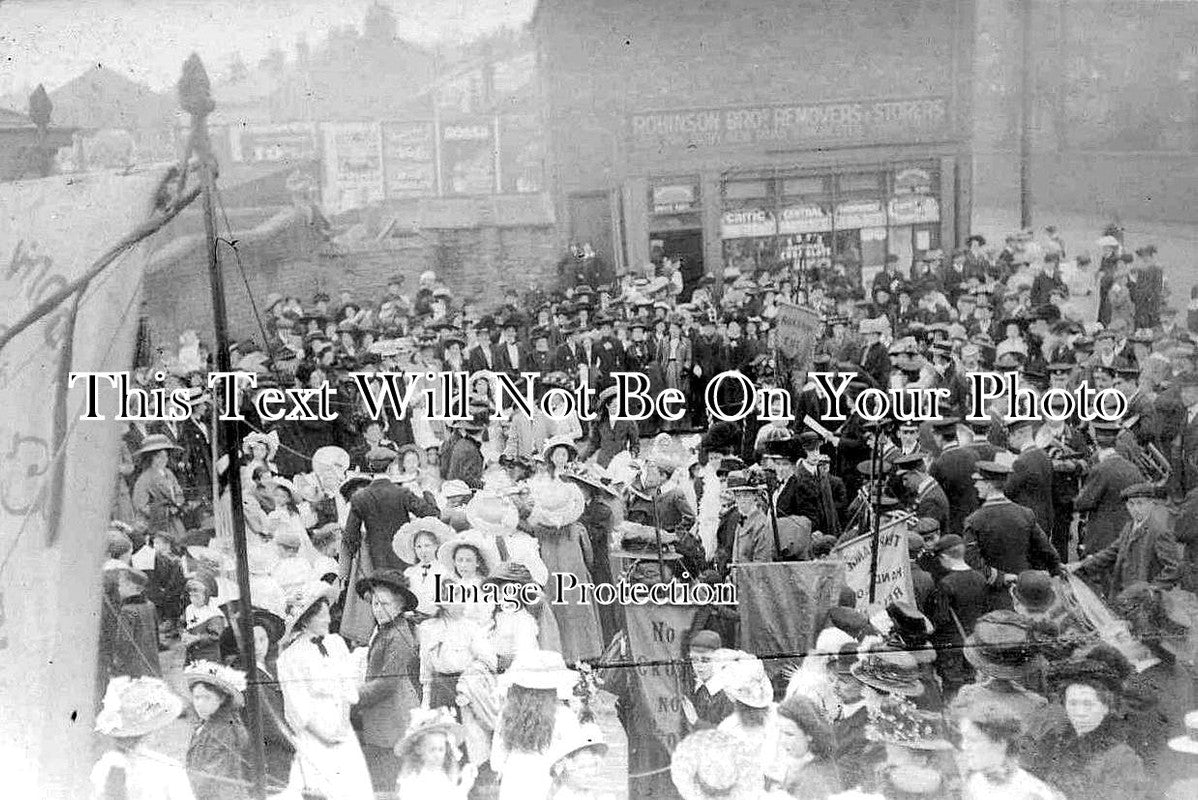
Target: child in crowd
[[216, 752], [204, 624]]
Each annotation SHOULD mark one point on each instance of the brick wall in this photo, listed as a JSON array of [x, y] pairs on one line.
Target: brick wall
[[286, 256]]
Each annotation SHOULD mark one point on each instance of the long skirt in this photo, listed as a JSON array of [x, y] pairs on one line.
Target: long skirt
[[335, 772]]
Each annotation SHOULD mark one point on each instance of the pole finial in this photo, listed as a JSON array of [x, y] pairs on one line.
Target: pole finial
[[195, 90]]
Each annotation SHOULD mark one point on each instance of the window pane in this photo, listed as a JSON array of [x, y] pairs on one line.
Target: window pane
[[860, 182], [805, 186], [740, 190]]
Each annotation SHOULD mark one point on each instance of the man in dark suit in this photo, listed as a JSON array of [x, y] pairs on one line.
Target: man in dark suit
[[1181, 410], [875, 357], [541, 359], [811, 492], [1101, 497], [710, 707], [1030, 484], [508, 354], [953, 469], [569, 353], [464, 460], [927, 497], [480, 356], [1002, 539], [381, 508]]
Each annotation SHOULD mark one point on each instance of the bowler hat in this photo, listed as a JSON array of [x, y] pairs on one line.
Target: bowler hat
[[1033, 589], [394, 580]]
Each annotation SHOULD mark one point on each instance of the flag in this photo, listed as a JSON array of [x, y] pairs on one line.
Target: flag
[[56, 472], [781, 607]]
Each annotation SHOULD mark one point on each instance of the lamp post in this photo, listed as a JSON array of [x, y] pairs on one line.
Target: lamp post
[[1026, 98]]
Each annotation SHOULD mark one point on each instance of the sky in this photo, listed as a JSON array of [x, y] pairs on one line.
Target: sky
[[52, 41]]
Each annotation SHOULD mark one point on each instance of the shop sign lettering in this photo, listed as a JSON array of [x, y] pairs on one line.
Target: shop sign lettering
[[913, 210], [804, 219], [860, 214], [900, 120], [747, 223]]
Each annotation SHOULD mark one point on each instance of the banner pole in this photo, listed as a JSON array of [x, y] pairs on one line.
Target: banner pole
[[195, 97], [876, 535]]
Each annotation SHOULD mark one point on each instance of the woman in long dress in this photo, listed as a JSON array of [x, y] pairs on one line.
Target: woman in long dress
[[320, 685], [566, 548]]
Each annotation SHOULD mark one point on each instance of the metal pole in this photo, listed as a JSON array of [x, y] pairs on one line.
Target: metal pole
[[1026, 98], [875, 463], [195, 97]]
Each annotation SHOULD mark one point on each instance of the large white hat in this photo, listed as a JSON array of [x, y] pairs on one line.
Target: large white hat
[[483, 544]]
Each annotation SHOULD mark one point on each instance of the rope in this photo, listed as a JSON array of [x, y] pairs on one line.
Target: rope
[[232, 243]]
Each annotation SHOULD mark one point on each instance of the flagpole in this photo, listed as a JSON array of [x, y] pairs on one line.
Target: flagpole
[[195, 97], [876, 534]]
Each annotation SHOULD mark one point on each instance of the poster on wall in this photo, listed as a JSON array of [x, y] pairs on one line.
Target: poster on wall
[[353, 165], [292, 141], [860, 214], [521, 155], [409, 159], [913, 209], [468, 156]]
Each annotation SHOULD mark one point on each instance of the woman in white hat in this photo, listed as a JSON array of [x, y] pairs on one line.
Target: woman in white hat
[[430, 759], [292, 513], [754, 717], [577, 766], [320, 685], [216, 753], [417, 542], [566, 549], [532, 723], [157, 496], [133, 709], [557, 453]]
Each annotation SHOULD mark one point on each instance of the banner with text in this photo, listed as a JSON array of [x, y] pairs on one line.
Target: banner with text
[[894, 566], [656, 636], [57, 474], [781, 607], [849, 122], [797, 330], [468, 156]]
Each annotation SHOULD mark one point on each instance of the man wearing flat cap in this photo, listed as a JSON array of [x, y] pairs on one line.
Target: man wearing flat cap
[[1145, 551], [1003, 538], [927, 497]]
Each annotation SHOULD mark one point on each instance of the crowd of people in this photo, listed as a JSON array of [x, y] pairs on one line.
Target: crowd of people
[[1045, 647]]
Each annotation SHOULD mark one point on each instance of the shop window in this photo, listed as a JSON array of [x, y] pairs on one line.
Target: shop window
[[859, 183]]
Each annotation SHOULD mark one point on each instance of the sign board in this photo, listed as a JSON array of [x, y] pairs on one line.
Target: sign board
[[912, 180], [521, 155], [674, 199], [353, 162], [894, 566], [805, 218], [409, 159], [797, 329], [747, 223], [283, 142], [468, 156], [913, 209], [847, 122], [860, 214], [809, 251], [57, 472], [656, 637], [782, 605]]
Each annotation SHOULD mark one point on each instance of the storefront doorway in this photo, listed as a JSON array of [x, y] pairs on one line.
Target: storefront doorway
[[684, 247]]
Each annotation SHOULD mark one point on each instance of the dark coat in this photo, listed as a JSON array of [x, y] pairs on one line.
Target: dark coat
[[931, 501], [1006, 537], [389, 694], [464, 462], [953, 470], [1099, 764], [382, 507], [1146, 552], [876, 361], [216, 755], [1030, 484], [607, 440], [503, 360], [1187, 536], [135, 639], [1101, 498]]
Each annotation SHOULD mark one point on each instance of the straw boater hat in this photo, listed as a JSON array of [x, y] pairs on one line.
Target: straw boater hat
[[268, 440], [591, 475], [540, 669], [155, 442], [587, 735], [1189, 742], [559, 441], [555, 504], [304, 598], [889, 671], [423, 721], [490, 512], [404, 541], [711, 764], [394, 580], [999, 645], [480, 541], [136, 707], [226, 679]]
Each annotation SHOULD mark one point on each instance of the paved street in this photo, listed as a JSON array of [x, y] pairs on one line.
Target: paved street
[[1177, 243]]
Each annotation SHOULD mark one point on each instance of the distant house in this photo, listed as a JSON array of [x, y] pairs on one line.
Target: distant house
[[20, 145]]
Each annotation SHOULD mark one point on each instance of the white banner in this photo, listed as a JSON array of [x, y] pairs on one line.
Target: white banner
[[894, 567], [57, 473]]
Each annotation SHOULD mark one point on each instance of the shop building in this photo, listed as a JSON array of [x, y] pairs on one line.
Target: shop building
[[765, 131]]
